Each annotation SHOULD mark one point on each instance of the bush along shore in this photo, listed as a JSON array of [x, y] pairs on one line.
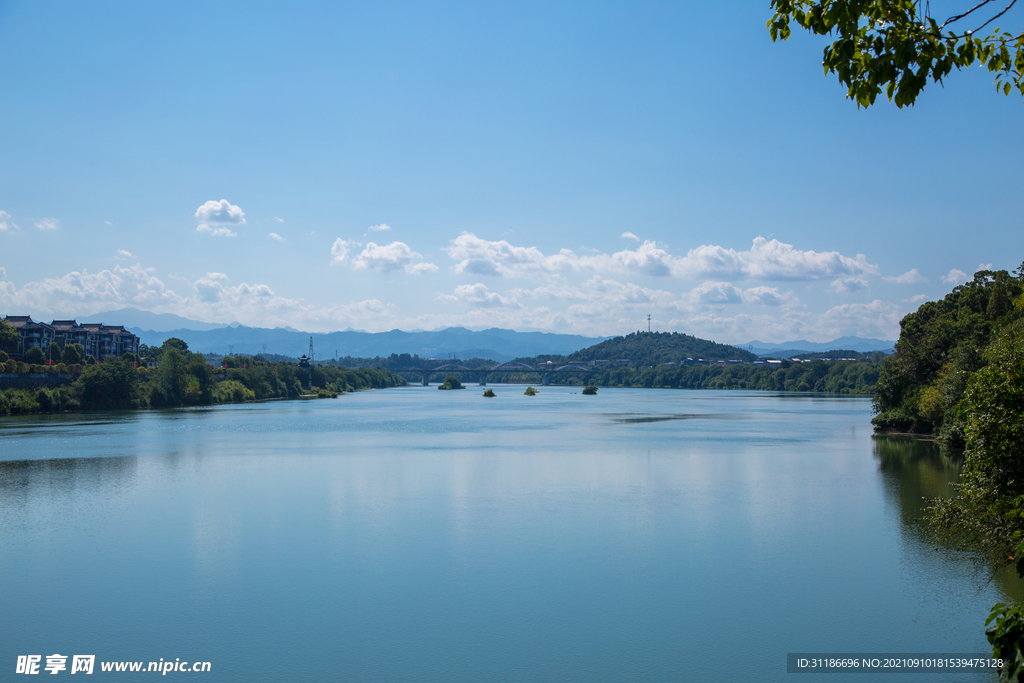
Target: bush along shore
[[856, 377], [179, 378]]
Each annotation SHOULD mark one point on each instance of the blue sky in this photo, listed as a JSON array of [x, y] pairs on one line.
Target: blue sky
[[572, 168]]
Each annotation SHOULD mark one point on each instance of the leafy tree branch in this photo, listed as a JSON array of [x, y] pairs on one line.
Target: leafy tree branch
[[895, 47]]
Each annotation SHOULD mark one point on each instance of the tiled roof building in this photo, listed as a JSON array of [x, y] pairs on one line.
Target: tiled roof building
[[97, 339]]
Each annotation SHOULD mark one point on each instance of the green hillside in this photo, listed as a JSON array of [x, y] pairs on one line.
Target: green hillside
[[654, 348], [941, 346]]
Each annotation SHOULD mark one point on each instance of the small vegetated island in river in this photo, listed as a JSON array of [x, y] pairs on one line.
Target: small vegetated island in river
[[178, 378], [451, 382]]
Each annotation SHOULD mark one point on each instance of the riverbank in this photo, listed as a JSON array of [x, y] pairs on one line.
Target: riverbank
[[181, 380]]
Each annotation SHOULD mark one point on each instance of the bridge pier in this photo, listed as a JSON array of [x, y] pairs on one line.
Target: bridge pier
[[426, 383], [483, 380], [546, 381]]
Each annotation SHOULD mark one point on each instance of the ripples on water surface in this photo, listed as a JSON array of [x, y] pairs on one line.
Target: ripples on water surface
[[418, 535]]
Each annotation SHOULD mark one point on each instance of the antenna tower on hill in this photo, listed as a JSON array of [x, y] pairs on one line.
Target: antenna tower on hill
[[311, 363], [648, 322]]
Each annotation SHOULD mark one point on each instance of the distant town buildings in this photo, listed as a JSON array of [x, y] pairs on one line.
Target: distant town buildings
[[98, 340]]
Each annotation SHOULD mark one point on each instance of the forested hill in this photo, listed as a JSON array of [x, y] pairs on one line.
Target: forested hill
[[941, 346], [654, 348]]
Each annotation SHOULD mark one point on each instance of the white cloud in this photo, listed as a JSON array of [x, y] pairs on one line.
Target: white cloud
[[955, 277], [384, 257], [48, 224], [210, 287], [716, 292], [6, 224], [379, 228], [983, 266], [388, 257], [482, 257], [630, 236], [770, 260], [596, 304], [476, 295], [421, 268], [339, 251], [3, 273], [769, 296], [766, 260], [911, 277], [85, 291], [916, 299], [647, 259], [220, 213], [849, 285], [599, 290], [215, 299], [275, 236], [216, 232], [279, 220], [107, 223], [877, 319], [712, 292], [125, 253]]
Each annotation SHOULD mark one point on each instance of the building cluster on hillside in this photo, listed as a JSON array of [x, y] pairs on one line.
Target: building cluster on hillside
[[98, 340]]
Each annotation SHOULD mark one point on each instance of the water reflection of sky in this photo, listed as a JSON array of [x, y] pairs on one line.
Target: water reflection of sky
[[417, 534]]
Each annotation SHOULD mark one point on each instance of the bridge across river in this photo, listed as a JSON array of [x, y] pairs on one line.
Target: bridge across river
[[545, 370]]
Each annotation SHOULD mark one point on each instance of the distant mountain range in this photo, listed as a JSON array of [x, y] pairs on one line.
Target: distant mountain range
[[158, 322], [790, 348], [495, 344]]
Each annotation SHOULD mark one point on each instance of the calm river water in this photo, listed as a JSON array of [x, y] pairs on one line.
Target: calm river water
[[419, 535]]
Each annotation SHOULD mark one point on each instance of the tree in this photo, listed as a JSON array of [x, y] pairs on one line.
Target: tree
[[73, 354], [175, 343], [200, 369], [989, 510], [35, 356], [53, 352], [108, 386], [149, 353], [451, 382], [173, 385], [939, 347], [589, 390], [891, 45], [990, 507], [9, 336]]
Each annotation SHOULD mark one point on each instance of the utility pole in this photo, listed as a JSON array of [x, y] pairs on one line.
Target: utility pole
[[311, 363], [648, 322]]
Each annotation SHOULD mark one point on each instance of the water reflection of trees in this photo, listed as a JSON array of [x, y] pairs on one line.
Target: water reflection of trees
[[21, 481], [916, 471]]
